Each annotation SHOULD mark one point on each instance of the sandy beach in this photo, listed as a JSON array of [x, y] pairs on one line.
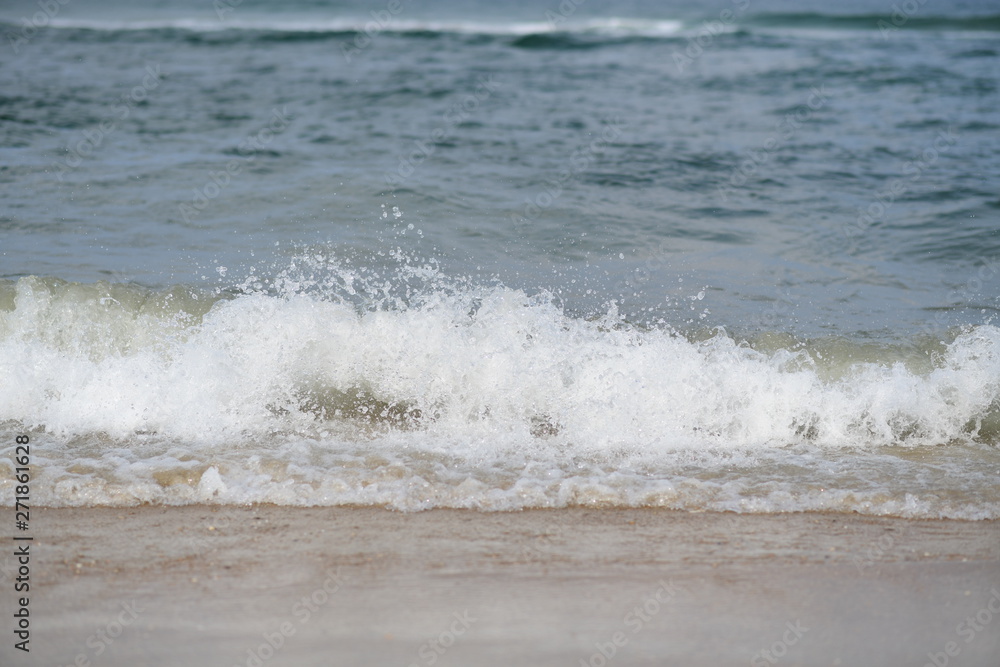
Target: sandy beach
[[222, 586]]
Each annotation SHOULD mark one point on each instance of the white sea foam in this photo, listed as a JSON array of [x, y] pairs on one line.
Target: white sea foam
[[485, 397]]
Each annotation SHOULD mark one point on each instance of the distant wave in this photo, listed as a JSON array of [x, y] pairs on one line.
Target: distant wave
[[808, 20], [604, 26], [614, 27]]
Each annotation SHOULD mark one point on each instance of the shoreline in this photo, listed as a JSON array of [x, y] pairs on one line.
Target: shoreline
[[275, 585]]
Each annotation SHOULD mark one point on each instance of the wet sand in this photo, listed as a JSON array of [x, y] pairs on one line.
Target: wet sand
[[266, 585]]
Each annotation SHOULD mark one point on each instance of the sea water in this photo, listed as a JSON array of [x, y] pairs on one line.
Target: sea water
[[737, 255]]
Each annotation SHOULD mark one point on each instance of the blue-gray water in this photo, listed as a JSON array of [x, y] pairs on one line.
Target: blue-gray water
[[728, 255]]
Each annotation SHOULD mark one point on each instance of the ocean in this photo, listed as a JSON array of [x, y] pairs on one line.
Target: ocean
[[713, 256]]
